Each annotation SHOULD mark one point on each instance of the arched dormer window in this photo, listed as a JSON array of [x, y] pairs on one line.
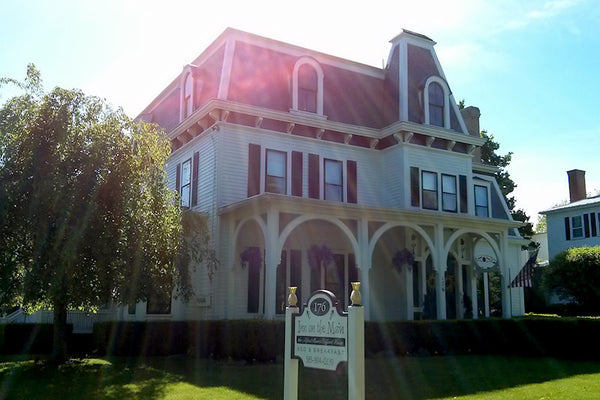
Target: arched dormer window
[[436, 101], [190, 87], [307, 86]]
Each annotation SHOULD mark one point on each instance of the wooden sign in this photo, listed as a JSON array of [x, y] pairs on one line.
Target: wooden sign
[[320, 333]]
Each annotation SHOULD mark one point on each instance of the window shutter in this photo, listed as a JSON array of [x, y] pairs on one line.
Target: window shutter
[[415, 189], [178, 178], [313, 176], [352, 189], [462, 189], [586, 225], [253, 169], [296, 173], [567, 228], [195, 168], [593, 223]]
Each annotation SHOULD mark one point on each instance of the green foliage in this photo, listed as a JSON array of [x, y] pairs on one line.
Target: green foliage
[[574, 275], [489, 155], [86, 217], [541, 226]]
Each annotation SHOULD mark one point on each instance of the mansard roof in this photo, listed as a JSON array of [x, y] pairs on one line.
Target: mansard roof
[[241, 69]]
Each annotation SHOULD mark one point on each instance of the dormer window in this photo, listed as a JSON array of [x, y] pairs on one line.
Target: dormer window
[[188, 89], [307, 89], [307, 86], [436, 104], [191, 86], [437, 107]]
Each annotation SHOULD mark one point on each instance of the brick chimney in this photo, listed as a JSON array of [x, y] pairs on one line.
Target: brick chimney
[[471, 117], [576, 185]]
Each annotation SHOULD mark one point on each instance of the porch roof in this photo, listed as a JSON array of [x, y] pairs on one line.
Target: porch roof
[[261, 203]]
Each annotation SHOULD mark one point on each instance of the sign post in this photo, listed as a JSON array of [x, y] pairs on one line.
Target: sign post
[[290, 383], [323, 336]]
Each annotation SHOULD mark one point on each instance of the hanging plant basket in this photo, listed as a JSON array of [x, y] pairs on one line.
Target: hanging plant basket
[[403, 257], [319, 256], [252, 255]]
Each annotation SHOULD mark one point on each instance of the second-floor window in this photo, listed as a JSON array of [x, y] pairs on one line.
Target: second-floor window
[[186, 182], [429, 190], [481, 201], [449, 193], [333, 180], [276, 176]]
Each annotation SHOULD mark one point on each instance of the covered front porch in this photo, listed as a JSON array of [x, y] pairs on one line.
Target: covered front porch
[[411, 264]]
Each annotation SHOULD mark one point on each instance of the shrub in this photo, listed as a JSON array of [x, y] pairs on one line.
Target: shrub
[[574, 275]]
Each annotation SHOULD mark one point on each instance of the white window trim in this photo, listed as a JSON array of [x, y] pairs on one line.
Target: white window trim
[[343, 165], [313, 63], [489, 200], [572, 224], [438, 188], [446, 90], [263, 169], [456, 194], [188, 70]]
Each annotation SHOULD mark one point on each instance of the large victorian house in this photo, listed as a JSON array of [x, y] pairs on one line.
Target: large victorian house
[[314, 171]]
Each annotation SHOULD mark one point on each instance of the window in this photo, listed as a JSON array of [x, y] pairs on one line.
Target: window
[[449, 193], [186, 170], [333, 180], [429, 190], [275, 179], [188, 104], [481, 201], [436, 104], [577, 227], [307, 86]]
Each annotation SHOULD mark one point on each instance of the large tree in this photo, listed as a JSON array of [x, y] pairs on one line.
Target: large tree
[[86, 217], [490, 156]]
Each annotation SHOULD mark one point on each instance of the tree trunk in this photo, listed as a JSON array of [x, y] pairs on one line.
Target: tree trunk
[[59, 340]]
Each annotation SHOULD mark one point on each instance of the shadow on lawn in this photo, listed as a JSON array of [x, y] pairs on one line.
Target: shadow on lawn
[[386, 378]]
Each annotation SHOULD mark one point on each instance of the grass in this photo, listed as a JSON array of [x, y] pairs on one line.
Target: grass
[[418, 378]]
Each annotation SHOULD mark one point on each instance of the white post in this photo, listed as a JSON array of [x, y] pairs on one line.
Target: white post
[[290, 382], [486, 295], [356, 346]]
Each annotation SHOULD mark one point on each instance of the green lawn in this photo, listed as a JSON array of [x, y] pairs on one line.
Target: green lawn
[[462, 377]]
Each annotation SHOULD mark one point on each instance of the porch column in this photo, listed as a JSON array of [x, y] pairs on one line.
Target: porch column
[[272, 259], [229, 262], [460, 290], [440, 272], [473, 291], [364, 258], [407, 273], [504, 277]]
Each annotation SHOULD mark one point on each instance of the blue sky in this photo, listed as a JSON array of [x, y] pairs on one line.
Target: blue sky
[[532, 67]]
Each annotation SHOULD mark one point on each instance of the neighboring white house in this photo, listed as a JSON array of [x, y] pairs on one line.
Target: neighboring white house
[[577, 223], [283, 148]]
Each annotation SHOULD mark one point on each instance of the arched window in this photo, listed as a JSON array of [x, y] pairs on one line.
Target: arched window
[[307, 86], [191, 86], [436, 104], [188, 89]]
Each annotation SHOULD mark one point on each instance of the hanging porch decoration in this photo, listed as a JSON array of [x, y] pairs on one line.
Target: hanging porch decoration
[[403, 257], [319, 256], [252, 255]]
